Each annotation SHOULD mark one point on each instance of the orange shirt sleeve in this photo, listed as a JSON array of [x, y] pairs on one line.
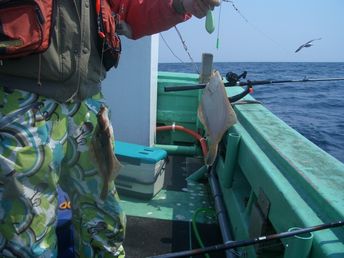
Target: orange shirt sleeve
[[147, 17]]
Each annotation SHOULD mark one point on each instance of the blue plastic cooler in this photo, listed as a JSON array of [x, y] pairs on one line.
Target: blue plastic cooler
[[143, 171]]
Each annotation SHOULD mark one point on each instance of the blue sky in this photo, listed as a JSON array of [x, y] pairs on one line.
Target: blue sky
[[272, 32]]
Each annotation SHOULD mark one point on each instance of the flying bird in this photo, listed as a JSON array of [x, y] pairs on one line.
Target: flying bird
[[307, 44]]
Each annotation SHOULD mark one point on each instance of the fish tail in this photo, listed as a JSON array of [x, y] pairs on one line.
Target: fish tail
[[212, 153]]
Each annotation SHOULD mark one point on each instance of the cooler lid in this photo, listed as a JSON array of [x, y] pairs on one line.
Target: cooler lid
[[143, 153]]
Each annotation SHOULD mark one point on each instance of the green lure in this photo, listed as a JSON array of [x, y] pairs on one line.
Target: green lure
[[209, 22]]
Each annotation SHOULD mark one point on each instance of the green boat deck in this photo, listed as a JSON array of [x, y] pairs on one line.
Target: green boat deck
[[178, 199], [164, 223]]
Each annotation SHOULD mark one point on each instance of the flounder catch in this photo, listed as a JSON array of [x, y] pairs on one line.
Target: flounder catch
[[215, 113]]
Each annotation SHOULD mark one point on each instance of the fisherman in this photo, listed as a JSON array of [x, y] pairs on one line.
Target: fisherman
[[54, 128]]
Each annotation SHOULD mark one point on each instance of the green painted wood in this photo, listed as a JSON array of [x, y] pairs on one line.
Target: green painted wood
[[303, 184], [170, 205], [311, 169], [177, 107]]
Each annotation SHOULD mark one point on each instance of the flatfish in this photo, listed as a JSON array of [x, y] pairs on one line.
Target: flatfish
[[215, 113]]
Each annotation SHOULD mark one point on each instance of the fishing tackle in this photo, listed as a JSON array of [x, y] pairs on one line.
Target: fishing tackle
[[242, 243], [209, 20], [249, 89], [231, 77], [234, 80]]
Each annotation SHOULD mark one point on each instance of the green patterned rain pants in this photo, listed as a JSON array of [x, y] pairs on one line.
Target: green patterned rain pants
[[44, 144]]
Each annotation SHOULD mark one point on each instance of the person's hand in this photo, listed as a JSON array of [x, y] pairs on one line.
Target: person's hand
[[199, 8]]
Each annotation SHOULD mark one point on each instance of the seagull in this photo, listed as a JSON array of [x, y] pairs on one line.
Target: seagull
[[307, 44]]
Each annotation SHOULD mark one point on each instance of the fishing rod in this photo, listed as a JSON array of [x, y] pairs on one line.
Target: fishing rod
[[242, 243], [234, 80]]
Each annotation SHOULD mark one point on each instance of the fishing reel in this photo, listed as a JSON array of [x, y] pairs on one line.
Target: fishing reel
[[234, 78]]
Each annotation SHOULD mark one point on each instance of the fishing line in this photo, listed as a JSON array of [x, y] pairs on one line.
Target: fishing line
[[167, 45], [218, 29], [253, 26], [186, 49], [236, 9]]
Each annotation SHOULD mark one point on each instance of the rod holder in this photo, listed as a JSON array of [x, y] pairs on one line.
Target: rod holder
[[231, 158], [207, 67], [299, 245]]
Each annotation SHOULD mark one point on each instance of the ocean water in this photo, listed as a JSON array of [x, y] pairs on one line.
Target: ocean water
[[314, 109]]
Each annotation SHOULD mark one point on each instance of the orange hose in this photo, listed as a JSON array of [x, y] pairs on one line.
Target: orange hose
[[195, 135]]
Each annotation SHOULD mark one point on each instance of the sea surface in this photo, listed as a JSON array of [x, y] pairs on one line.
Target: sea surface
[[314, 109]]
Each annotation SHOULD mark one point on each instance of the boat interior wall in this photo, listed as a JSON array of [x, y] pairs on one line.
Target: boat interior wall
[[290, 172], [177, 107]]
